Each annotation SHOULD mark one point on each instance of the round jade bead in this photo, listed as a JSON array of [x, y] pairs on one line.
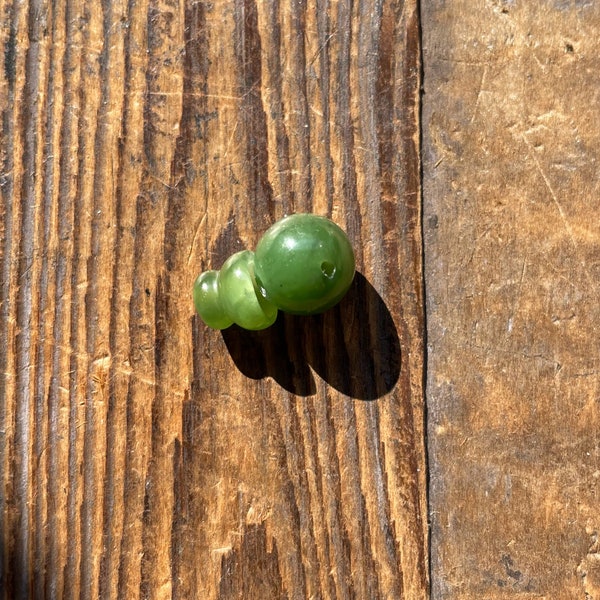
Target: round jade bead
[[304, 264], [238, 295], [207, 302]]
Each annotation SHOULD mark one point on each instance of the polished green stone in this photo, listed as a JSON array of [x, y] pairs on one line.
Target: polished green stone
[[304, 264], [238, 295], [207, 302]]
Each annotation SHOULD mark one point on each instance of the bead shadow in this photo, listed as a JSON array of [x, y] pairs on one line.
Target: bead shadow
[[354, 347]]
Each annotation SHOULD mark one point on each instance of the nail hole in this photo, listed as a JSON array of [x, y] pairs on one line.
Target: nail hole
[[328, 269]]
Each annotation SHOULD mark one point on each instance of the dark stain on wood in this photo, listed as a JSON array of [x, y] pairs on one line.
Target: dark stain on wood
[[252, 570]]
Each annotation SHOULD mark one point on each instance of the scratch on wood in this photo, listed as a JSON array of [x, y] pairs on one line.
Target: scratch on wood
[[195, 237], [558, 205], [479, 93]]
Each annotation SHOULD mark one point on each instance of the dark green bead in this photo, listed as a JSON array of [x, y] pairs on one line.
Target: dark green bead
[[304, 264]]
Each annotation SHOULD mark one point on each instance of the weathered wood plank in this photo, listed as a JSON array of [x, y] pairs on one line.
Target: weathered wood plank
[[512, 244], [143, 455]]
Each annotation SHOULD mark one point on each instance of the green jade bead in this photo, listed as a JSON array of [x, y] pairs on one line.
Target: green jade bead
[[304, 264], [207, 303], [238, 294]]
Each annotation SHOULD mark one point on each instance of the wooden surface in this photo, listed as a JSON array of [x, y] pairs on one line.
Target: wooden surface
[[512, 247], [142, 454]]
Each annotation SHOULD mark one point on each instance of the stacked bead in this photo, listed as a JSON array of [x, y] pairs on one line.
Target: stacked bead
[[304, 264]]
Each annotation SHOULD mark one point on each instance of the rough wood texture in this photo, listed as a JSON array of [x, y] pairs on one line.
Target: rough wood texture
[[512, 230], [143, 455]]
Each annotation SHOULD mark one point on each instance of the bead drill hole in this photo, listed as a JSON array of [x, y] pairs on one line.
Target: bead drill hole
[[328, 269]]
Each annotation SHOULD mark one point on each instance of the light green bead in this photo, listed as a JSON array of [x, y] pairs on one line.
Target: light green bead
[[207, 303], [238, 295]]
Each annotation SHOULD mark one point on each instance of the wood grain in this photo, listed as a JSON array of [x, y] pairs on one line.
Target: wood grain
[[142, 454], [511, 151]]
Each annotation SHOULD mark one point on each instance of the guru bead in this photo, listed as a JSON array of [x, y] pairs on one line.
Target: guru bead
[[304, 264]]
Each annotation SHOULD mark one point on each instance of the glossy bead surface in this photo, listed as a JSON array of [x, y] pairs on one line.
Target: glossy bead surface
[[238, 295], [207, 302], [304, 264]]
